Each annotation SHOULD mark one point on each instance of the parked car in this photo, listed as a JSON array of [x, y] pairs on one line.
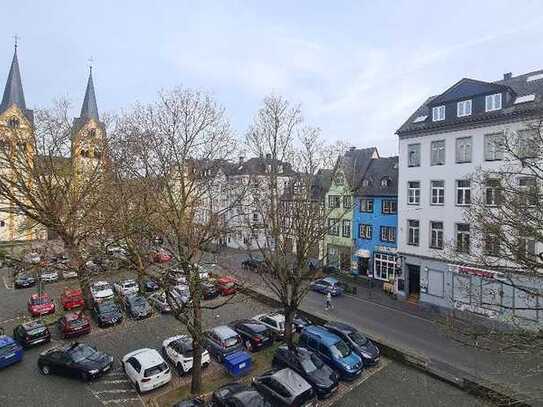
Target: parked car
[[299, 322], [24, 280], [75, 360], [285, 388], [255, 335], [49, 276], [275, 321], [181, 293], [308, 365], [327, 285], [32, 258], [101, 291], [74, 324], [158, 300], [31, 333], [161, 256], [10, 351], [176, 277], [40, 304], [68, 273], [178, 351], [223, 341], [146, 369], [332, 350], [126, 287], [227, 285], [107, 313], [238, 395], [203, 272], [194, 402], [150, 285], [253, 263], [137, 306], [209, 290], [359, 343], [71, 299]]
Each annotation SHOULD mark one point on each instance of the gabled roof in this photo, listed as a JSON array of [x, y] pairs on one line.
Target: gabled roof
[[13, 92], [354, 164], [466, 88], [259, 166], [379, 169]]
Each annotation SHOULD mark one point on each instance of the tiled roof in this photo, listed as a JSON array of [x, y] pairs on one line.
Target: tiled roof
[[354, 164], [384, 168], [258, 166]]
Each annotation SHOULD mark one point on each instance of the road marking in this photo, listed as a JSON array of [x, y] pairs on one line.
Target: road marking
[[113, 391], [114, 381], [8, 286], [120, 401]]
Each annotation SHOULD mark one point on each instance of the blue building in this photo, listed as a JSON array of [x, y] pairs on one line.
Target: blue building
[[375, 221]]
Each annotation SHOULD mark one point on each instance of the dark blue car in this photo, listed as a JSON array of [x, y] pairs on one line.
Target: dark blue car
[[327, 285], [332, 350], [10, 351]]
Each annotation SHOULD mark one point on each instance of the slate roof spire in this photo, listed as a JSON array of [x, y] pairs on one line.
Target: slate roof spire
[[89, 109], [13, 92]]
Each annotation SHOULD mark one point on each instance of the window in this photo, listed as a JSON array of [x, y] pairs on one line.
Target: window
[[366, 205], [463, 108], [438, 113], [492, 192], [13, 122], [388, 234], [255, 217], [463, 192], [494, 147], [492, 242], [365, 182], [365, 232], [526, 249], [334, 201], [2, 223], [389, 206], [384, 266], [437, 152], [437, 192], [347, 202], [528, 143], [333, 227], [413, 193], [97, 154], [463, 150], [339, 179], [386, 182], [346, 228], [413, 232], [436, 235], [84, 153], [462, 238], [493, 102], [528, 191], [413, 155]]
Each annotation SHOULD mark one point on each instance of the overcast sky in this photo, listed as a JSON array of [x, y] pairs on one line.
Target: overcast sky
[[358, 69]]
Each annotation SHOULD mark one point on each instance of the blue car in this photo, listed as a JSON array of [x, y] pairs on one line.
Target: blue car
[[332, 350], [10, 351], [327, 285]]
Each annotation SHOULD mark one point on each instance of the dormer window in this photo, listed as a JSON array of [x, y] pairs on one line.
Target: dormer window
[[438, 113], [386, 182], [366, 183], [463, 108], [13, 122], [493, 102]]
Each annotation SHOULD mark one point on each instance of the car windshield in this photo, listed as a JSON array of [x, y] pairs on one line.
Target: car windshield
[[36, 331], [107, 307], [76, 322], [40, 301], [340, 350], [101, 287], [232, 341], [360, 340], [131, 284], [137, 301], [155, 370], [81, 352]]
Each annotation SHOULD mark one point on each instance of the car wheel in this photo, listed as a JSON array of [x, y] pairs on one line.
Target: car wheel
[[180, 370], [249, 346], [84, 376], [44, 369]]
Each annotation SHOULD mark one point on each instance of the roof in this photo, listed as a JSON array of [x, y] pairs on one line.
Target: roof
[[259, 166], [327, 337], [224, 331], [355, 162], [340, 326], [385, 168], [527, 84], [292, 380], [147, 357], [89, 109], [13, 92]]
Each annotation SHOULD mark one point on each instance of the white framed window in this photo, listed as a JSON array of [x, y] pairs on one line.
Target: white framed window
[[333, 227], [437, 193], [526, 249], [463, 108], [463, 150], [347, 201], [528, 143], [436, 235], [437, 156], [462, 238], [389, 206], [463, 192], [413, 155], [346, 228], [493, 102], [438, 113], [528, 186], [366, 205], [365, 231], [413, 232], [388, 234], [334, 201], [494, 147], [492, 192], [492, 242], [384, 266], [413, 193]]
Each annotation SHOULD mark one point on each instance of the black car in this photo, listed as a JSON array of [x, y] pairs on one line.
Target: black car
[[209, 290], [24, 280], [137, 306], [285, 388], [238, 395], [360, 345], [254, 335], [75, 360], [253, 263], [31, 333], [320, 376], [107, 313], [150, 285], [196, 402]]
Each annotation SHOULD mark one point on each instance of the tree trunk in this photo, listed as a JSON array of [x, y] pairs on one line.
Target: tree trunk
[[197, 347], [289, 332], [76, 262]]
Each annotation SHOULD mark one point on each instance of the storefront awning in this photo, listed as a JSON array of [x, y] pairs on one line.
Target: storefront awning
[[363, 253]]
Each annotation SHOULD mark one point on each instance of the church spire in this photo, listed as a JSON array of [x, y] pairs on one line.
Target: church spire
[[13, 92], [89, 110]]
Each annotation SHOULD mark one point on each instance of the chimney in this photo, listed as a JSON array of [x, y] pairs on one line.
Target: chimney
[[507, 76]]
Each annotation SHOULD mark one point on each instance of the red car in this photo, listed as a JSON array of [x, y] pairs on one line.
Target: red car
[[40, 305], [71, 299], [227, 285], [161, 256], [74, 324]]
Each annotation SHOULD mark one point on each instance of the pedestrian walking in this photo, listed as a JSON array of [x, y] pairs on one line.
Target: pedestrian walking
[[328, 301]]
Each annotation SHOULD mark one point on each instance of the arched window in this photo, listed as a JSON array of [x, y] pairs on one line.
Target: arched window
[[13, 122], [97, 154], [92, 132], [84, 153]]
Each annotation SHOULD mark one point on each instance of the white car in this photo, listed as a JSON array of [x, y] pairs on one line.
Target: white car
[[126, 287], [178, 351], [101, 291], [67, 274], [159, 301], [181, 293], [146, 369], [273, 320], [49, 276]]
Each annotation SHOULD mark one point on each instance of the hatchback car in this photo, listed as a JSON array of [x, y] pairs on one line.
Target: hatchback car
[[71, 299], [107, 313], [40, 304], [223, 341], [308, 365], [10, 351], [255, 335], [178, 350], [150, 285], [275, 321], [209, 290], [101, 291], [285, 388], [360, 344], [75, 360], [31, 333], [238, 395], [49, 276], [158, 300], [327, 285], [74, 324], [332, 350], [137, 306], [227, 285], [146, 369], [253, 263], [126, 287], [24, 280]]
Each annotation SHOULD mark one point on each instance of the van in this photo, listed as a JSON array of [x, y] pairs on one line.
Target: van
[[223, 341]]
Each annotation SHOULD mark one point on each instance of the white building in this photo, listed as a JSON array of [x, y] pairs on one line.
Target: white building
[[441, 146]]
